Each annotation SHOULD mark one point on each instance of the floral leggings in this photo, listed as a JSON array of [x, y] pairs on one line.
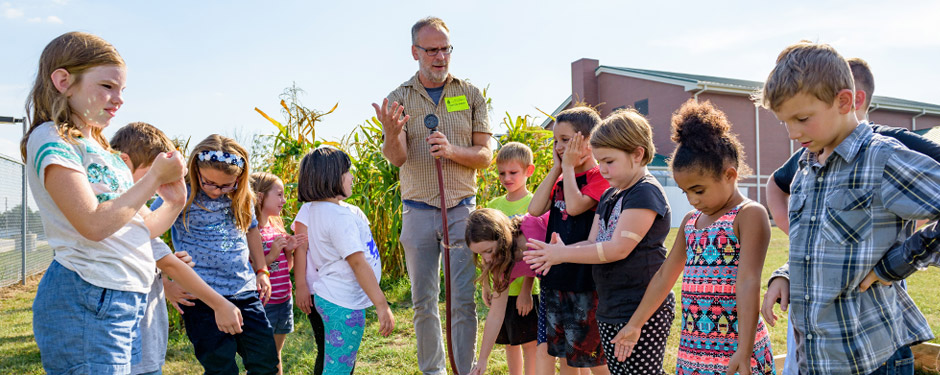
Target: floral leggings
[[343, 329]]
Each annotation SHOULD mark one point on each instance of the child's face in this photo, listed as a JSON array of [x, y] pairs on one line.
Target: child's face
[[816, 125], [617, 166], [97, 97], [274, 200], [347, 184], [705, 191], [513, 176], [484, 249], [215, 182], [562, 133]]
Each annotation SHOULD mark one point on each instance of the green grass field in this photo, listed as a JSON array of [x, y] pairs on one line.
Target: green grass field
[[379, 355]]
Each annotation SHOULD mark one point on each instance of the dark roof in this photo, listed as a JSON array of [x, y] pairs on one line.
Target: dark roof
[[755, 85], [693, 78], [885, 100]]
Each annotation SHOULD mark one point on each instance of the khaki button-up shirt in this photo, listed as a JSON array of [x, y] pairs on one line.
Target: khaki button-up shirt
[[418, 174]]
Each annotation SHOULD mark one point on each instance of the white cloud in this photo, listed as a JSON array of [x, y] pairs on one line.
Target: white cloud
[[11, 12], [53, 19]]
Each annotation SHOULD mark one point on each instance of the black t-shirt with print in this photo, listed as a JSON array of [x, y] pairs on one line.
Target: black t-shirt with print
[[572, 277], [621, 284]]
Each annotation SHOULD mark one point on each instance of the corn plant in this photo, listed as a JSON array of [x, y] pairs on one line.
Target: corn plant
[[291, 142], [522, 129]]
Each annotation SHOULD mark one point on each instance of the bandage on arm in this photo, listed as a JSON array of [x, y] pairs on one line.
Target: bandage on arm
[[631, 235], [600, 252]]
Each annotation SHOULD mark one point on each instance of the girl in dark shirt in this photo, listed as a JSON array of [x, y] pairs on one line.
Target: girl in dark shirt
[[625, 253]]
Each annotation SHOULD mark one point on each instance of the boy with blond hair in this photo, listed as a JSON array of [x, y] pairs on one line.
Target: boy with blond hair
[[139, 144], [854, 198], [520, 326]]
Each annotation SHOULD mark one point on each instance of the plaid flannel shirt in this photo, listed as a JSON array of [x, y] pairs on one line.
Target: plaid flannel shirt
[[845, 216]]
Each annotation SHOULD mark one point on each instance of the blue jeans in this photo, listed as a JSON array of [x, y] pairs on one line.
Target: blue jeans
[[216, 350], [83, 329], [901, 363]]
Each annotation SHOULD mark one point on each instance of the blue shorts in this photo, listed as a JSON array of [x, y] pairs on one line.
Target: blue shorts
[[281, 316], [81, 328]]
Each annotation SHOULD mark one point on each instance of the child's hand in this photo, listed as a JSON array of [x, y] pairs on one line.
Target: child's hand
[[524, 304], [302, 299], [576, 153], [174, 192], [278, 244], [487, 295], [479, 368], [168, 167], [871, 279], [299, 239], [229, 319], [542, 256], [778, 291], [386, 320], [624, 342], [264, 287], [184, 257], [176, 295], [740, 363]]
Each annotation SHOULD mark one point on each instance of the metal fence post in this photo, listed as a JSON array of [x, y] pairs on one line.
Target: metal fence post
[[23, 207]]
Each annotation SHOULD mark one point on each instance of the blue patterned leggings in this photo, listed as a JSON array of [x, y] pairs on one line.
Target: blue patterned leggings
[[343, 329]]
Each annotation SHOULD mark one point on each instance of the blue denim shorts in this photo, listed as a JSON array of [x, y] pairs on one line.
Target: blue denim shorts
[[81, 328], [281, 316]]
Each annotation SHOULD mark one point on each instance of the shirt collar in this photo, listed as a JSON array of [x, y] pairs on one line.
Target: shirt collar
[[849, 147], [416, 82]]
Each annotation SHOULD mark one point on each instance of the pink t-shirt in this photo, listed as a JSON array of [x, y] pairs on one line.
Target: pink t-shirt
[[521, 269], [280, 274]]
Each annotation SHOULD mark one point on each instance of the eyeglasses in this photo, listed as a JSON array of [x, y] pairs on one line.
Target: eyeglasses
[[434, 51], [227, 188]]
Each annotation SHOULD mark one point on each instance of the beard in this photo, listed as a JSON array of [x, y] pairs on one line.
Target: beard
[[435, 76]]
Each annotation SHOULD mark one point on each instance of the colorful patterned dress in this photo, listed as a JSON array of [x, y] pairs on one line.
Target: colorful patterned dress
[[709, 307]]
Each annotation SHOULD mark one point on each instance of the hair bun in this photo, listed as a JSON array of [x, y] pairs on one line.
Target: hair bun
[[699, 126]]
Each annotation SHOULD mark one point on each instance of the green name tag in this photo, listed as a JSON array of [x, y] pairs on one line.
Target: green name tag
[[456, 103]]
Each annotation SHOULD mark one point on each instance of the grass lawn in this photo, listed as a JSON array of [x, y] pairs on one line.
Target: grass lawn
[[378, 355]]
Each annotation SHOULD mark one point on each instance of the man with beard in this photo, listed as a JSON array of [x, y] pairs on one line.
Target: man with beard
[[462, 144]]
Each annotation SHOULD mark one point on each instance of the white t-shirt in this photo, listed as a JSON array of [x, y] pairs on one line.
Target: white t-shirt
[[124, 260], [336, 231]]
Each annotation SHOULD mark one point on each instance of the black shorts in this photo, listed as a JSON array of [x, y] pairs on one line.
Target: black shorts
[[517, 329]]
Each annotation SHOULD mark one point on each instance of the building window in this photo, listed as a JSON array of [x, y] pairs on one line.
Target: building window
[[642, 106]]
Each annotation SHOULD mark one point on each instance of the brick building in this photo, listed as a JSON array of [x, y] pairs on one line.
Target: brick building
[[658, 94]]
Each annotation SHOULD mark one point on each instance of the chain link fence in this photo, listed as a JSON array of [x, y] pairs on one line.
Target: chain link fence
[[23, 247]]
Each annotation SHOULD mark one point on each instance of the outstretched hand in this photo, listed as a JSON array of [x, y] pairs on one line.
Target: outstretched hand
[[391, 117], [625, 341], [542, 256]]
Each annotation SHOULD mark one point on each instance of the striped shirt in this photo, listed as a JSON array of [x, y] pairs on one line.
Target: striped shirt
[[418, 175], [845, 214], [280, 273]]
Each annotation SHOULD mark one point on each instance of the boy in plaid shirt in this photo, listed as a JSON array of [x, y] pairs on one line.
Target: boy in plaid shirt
[[852, 209]]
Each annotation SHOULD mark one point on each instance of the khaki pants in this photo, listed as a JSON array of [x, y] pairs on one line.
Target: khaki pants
[[421, 237]]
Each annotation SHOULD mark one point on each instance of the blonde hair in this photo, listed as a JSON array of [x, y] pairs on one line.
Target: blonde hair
[[627, 130], [487, 224], [426, 21], [76, 52], [806, 67], [261, 184], [242, 197], [515, 151]]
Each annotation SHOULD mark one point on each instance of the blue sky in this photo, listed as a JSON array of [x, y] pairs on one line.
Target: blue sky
[[200, 67]]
